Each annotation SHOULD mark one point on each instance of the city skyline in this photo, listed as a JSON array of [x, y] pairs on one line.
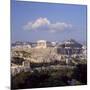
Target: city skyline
[[32, 21]]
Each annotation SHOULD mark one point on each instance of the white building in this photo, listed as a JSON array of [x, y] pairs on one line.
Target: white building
[[21, 47], [26, 46], [43, 44], [84, 52]]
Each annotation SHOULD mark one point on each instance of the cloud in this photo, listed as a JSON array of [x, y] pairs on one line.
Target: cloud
[[40, 22], [59, 26], [45, 24]]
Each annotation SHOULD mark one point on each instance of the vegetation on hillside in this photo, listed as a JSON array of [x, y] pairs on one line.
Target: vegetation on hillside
[[50, 78]]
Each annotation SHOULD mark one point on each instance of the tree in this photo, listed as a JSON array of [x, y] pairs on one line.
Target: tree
[[80, 73]]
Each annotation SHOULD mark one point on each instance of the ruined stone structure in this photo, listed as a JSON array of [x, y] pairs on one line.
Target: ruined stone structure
[[43, 44]]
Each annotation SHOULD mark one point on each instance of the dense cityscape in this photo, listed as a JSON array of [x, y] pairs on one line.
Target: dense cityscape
[[44, 56]]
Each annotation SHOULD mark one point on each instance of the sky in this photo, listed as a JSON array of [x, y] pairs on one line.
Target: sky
[[32, 21]]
